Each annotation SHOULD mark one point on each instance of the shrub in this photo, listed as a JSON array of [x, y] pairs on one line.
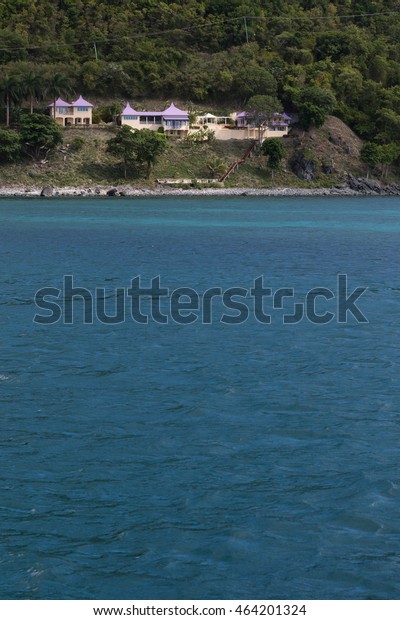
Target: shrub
[[106, 113], [10, 145], [77, 144]]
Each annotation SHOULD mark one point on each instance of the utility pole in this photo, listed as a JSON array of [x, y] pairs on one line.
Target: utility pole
[[245, 27]]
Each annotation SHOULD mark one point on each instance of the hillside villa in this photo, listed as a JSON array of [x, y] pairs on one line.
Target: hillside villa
[[233, 127], [77, 113], [175, 122], [276, 129]]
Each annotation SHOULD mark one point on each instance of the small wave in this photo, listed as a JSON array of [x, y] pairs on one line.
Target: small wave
[[17, 302]]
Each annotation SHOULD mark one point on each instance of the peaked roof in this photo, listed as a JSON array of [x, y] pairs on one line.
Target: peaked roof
[[172, 110], [60, 103], [81, 102], [128, 110]]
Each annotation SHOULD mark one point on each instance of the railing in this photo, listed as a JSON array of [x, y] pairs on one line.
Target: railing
[[178, 125], [235, 165]]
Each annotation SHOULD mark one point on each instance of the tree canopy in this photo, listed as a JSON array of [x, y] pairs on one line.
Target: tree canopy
[[149, 145], [39, 134], [204, 50], [141, 147], [123, 145], [314, 104], [274, 149], [263, 109]]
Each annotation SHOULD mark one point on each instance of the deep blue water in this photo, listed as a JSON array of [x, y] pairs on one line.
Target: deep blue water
[[200, 461]]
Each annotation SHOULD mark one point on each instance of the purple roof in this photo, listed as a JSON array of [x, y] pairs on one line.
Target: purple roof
[[60, 103], [283, 118], [284, 115], [129, 110], [171, 113], [81, 102]]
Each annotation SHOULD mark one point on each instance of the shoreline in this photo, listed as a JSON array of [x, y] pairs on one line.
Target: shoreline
[[351, 187]]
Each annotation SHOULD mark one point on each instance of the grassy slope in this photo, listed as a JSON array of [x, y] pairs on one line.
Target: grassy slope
[[93, 166]]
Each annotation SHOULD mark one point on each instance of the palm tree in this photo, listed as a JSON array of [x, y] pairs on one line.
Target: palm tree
[[32, 86], [58, 84], [216, 166], [10, 88]]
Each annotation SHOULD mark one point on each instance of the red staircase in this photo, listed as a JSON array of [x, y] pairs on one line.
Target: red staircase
[[248, 152]]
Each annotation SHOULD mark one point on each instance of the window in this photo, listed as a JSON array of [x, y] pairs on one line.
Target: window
[[130, 117], [150, 120], [62, 111], [83, 109], [175, 124]]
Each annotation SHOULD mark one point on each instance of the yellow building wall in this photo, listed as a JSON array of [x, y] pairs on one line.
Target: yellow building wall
[[85, 117], [136, 124], [245, 133], [221, 132], [72, 116]]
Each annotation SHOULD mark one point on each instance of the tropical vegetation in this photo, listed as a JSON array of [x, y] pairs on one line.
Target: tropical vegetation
[[314, 57], [137, 148]]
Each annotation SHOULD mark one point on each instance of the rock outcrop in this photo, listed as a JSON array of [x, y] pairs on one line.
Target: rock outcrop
[[371, 187], [47, 192], [303, 167]]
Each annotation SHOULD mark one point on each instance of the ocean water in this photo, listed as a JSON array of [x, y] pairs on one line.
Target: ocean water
[[200, 461]]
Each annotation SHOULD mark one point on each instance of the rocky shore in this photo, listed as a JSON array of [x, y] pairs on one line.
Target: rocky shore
[[351, 187]]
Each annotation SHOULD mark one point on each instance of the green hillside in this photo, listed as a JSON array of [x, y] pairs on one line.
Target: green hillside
[[339, 57], [92, 165]]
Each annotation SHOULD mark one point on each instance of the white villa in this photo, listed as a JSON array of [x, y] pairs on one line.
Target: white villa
[[236, 126], [240, 126], [174, 121], [77, 113]]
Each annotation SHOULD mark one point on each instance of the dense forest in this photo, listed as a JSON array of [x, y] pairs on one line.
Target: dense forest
[[343, 54]]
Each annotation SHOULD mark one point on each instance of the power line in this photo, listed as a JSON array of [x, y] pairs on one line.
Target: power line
[[322, 17], [244, 18], [245, 27]]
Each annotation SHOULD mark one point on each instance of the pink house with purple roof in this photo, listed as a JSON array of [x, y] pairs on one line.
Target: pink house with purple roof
[[278, 128], [240, 126], [77, 113], [173, 120], [176, 122]]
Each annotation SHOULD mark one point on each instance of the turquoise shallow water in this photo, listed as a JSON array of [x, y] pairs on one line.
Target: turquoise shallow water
[[200, 461]]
